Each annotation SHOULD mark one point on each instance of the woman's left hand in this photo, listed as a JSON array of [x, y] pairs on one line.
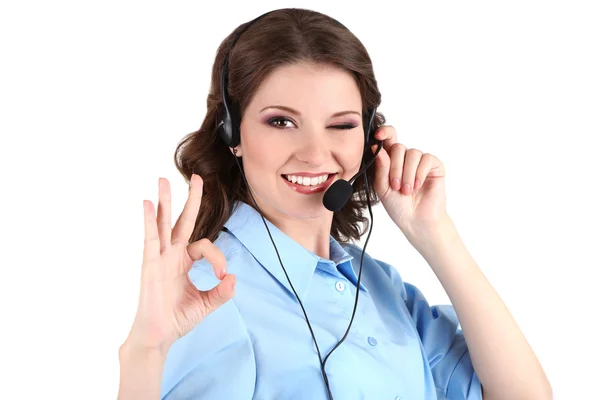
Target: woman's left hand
[[411, 187]]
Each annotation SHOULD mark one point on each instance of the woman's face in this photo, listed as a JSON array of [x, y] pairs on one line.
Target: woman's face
[[301, 132]]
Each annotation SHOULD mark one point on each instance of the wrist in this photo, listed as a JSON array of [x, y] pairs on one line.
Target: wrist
[[435, 239], [133, 352], [140, 342], [141, 369]]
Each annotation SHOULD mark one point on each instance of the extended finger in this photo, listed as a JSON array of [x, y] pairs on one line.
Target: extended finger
[[164, 213], [185, 223], [387, 133], [151, 239], [204, 248]]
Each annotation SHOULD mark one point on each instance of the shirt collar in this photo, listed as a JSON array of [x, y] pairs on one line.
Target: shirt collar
[[247, 225]]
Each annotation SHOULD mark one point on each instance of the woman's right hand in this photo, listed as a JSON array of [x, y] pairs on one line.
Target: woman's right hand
[[169, 304]]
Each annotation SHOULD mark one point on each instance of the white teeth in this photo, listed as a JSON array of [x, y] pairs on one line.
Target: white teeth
[[306, 181]]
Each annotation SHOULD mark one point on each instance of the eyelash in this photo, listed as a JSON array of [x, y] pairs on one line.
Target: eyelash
[[340, 127]]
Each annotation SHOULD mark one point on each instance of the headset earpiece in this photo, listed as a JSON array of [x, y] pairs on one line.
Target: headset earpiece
[[228, 128], [369, 126]]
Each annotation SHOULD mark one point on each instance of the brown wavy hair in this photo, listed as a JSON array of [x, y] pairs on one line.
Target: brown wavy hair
[[285, 36]]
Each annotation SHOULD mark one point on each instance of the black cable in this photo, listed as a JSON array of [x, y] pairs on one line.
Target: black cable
[[361, 263]]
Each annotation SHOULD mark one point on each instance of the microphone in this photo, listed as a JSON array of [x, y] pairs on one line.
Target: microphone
[[338, 194]]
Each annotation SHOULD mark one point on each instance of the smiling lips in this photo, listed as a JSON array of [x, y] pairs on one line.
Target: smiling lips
[[307, 183]]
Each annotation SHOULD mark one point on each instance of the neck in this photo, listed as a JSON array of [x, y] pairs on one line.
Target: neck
[[312, 233]]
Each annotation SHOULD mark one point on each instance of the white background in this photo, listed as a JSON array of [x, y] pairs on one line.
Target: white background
[[94, 97]]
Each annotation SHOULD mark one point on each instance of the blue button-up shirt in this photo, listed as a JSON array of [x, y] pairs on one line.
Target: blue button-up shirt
[[258, 345]]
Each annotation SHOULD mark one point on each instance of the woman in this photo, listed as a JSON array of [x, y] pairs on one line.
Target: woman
[[234, 306]]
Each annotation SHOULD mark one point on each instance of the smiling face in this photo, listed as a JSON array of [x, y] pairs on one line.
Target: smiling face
[[302, 131]]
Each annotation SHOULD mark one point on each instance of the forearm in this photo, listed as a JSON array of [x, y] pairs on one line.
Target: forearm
[[141, 373], [503, 360]]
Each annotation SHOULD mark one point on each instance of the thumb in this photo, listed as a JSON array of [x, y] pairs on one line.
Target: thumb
[[382, 171], [219, 295]]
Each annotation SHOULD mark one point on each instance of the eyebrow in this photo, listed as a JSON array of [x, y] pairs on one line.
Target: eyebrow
[[291, 110]]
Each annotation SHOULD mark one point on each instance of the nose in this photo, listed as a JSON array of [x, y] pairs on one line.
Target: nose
[[313, 147]]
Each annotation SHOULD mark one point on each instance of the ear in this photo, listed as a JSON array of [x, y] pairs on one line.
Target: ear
[[237, 150]]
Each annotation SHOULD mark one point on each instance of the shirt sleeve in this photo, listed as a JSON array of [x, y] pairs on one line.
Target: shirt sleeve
[[443, 342], [215, 360]]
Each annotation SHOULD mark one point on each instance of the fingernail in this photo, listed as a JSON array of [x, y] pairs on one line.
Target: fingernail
[[396, 184], [223, 273], [373, 148], [417, 184], [407, 189]]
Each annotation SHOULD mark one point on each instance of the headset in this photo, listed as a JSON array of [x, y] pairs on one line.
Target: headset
[[334, 199]]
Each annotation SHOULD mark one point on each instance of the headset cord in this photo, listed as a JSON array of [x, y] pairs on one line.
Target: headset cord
[[321, 361]]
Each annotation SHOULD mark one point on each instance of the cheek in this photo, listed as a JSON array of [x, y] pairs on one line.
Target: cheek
[[256, 147], [351, 150], [262, 159]]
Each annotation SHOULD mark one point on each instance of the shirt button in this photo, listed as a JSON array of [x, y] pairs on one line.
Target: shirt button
[[372, 341], [398, 398], [340, 286]]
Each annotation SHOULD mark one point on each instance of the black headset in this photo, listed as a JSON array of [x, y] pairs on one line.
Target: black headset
[[334, 199]]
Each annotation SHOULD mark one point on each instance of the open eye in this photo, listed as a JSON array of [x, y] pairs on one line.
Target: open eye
[[279, 122]]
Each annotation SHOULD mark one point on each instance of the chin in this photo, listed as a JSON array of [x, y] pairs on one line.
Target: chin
[[294, 205], [309, 208]]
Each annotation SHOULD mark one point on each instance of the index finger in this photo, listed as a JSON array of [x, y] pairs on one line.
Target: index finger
[[388, 135], [151, 238], [204, 248], [185, 223]]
